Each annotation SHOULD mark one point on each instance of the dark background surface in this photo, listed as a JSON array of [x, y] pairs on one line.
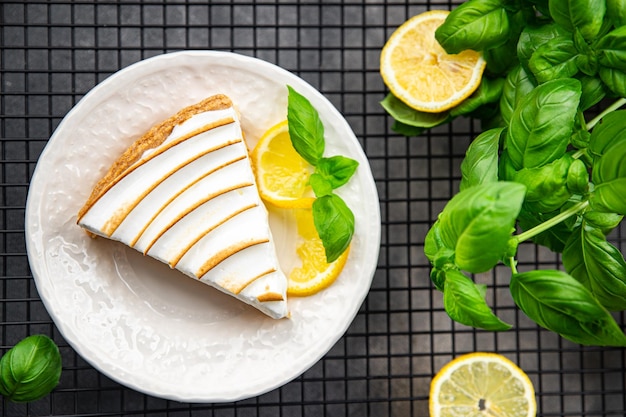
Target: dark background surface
[[54, 52]]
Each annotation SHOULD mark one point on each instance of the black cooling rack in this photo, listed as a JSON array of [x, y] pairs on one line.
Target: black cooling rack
[[53, 52]]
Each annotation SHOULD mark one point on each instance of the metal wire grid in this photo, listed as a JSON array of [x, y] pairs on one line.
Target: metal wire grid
[[53, 52]]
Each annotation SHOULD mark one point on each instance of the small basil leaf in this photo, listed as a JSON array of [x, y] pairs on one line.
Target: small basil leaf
[[580, 138], [556, 58], [614, 79], [598, 265], [433, 243], [546, 185], [611, 129], [593, 91], [577, 177], [616, 12], [609, 178], [542, 123], [478, 223], [475, 24], [464, 302], [558, 302], [584, 15], [320, 185], [611, 49], [337, 170], [408, 116], [480, 164], [438, 277], [587, 64], [488, 92], [606, 222], [334, 223], [30, 370], [305, 127], [517, 85]]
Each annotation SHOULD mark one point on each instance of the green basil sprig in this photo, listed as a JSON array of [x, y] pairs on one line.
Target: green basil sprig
[[30, 369], [549, 63], [333, 219]]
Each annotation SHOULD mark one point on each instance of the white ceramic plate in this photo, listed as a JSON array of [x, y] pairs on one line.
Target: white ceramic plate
[[149, 327]]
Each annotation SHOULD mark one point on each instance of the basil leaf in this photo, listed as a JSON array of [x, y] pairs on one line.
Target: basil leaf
[[609, 178], [502, 58], [611, 49], [517, 85], [610, 130], [598, 265], [475, 24], [546, 185], [577, 180], [305, 127], [580, 138], [337, 170], [30, 369], [532, 37], [587, 59], [541, 125], [614, 79], [438, 277], [433, 243], [605, 222], [584, 15], [616, 12], [478, 223], [320, 185], [464, 302], [480, 164], [593, 91], [409, 116], [558, 302], [334, 223], [489, 91], [556, 58]]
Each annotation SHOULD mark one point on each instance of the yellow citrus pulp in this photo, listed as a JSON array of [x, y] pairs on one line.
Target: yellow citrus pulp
[[482, 384], [282, 177], [419, 72], [282, 174], [314, 274]]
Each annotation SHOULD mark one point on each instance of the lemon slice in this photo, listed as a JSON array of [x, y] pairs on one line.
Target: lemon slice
[[314, 274], [282, 174], [421, 73], [482, 384]]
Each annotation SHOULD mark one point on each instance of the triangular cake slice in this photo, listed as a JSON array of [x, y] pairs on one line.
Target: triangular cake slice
[[185, 194]]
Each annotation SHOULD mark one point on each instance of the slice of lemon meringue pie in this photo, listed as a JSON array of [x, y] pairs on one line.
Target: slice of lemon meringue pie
[[185, 194]]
